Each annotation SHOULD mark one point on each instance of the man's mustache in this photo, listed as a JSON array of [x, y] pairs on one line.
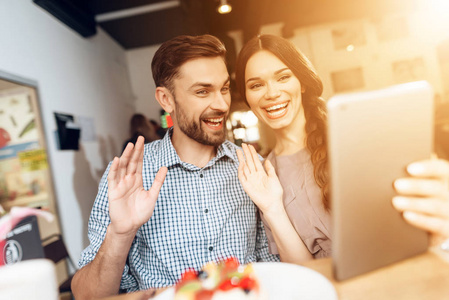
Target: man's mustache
[[214, 115]]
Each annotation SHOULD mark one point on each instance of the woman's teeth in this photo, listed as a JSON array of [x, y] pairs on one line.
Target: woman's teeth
[[276, 110]]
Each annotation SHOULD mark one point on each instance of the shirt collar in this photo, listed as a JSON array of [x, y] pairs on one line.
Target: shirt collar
[[227, 149], [167, 155]]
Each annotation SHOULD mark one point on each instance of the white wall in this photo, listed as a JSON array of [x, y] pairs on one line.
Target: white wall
[[426, 30], [83, 77], [139, 64], [376, 57]]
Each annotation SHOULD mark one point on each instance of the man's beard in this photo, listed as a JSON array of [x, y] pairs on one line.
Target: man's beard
[[193, 130]]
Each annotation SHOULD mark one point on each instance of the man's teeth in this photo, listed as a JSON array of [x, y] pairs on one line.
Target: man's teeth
[[275, 107], [216, 122]]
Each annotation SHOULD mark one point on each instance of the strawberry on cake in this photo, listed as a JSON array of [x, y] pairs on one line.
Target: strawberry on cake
[[224, 280]]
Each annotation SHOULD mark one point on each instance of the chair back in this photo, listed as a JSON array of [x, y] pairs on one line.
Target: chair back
[[56, 250]]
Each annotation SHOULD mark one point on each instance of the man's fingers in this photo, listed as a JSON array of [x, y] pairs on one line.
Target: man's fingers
[[112, 175], [140, 163], [420, 187], [157, 183], [137, 157], [428, 223], [431, 206], [124, 159], [429, 168]]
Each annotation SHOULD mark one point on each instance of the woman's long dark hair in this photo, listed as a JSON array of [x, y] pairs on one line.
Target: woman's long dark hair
[[314, 106]]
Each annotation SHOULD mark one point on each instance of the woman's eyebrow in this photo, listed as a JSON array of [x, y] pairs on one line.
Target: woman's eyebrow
[[275, 73], [281, 70]]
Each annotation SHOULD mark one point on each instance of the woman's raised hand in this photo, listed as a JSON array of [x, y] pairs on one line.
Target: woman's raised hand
[[261, 185], [424, 197], [130, 206]]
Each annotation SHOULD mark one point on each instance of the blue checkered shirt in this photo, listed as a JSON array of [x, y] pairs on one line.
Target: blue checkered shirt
[[201, 215]]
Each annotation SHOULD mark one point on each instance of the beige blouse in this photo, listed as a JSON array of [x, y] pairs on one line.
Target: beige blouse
[[303, 203]]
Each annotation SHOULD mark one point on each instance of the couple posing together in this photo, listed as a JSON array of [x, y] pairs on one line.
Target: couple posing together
[[193, 197]]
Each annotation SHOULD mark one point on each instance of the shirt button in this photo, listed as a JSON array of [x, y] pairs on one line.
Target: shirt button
[[211, 248], [201, 175], [206, 210]]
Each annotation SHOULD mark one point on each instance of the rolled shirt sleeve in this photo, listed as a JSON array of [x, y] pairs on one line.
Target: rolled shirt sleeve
[[98, 223]]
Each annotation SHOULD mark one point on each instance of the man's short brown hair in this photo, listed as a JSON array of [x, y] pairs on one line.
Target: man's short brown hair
[[175, 52]]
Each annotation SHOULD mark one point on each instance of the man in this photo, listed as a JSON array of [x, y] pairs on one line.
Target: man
[[201, 214]]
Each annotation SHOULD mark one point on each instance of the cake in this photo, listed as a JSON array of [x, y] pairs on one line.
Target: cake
[[219, 281]]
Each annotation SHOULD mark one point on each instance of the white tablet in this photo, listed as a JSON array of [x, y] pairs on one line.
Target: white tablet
[[372, 137]]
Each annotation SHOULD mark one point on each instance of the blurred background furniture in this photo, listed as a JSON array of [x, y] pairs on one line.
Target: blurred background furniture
[[55, 250], [23, 242]]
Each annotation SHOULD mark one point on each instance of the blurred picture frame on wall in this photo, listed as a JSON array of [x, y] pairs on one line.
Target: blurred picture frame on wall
[[348, 80], [391, 28], [409, 70]]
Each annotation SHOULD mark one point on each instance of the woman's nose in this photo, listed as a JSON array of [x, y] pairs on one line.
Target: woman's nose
[[272, 91]]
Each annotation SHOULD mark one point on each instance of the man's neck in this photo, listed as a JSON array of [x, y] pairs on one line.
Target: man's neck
[[190, 151]]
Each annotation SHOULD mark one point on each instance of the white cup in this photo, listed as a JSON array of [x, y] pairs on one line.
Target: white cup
[[33, 279]]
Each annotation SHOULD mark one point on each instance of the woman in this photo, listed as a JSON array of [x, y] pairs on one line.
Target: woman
[[282, 89]]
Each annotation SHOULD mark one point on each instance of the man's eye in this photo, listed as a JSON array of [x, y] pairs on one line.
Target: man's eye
[[202, 92], [225, 89]]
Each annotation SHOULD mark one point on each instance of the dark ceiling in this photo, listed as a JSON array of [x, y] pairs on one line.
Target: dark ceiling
[[200, 16]]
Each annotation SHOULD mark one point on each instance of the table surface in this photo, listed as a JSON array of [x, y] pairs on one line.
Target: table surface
[[424, 276]]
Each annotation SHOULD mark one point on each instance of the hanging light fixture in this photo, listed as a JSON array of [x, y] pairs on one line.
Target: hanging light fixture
[[224, 7]]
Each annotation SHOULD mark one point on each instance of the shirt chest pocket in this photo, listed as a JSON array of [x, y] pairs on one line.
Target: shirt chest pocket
[[289, 196]]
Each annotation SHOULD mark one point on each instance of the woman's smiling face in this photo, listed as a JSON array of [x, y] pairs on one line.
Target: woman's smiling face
[[272, 90]]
